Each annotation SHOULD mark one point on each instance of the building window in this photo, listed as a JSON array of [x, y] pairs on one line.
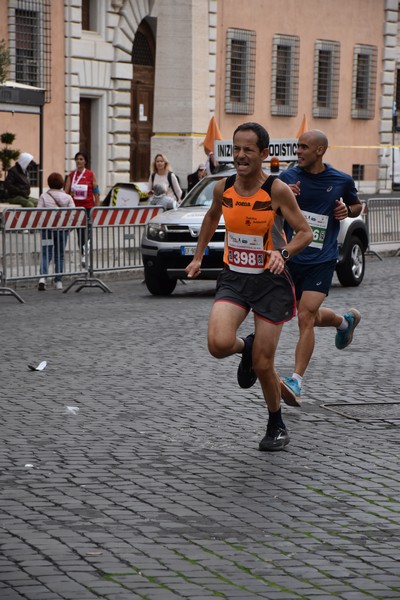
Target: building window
[[33, 174], [27, 47], [326, 79], [364, 82], [142, 52], [285, 74], [89, 15], [357, 172], [240, 71], [29, 43]]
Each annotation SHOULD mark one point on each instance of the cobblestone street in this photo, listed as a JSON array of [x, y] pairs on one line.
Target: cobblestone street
[[129, 466]]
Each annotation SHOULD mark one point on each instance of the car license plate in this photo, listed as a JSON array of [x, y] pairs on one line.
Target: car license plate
[[190, 250]]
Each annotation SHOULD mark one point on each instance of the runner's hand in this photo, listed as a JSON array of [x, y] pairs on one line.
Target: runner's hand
[[340, 211], [193, 269], [295, 187], [276, 263]]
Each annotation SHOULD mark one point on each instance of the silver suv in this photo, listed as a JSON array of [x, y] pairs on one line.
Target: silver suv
[[170, 240]]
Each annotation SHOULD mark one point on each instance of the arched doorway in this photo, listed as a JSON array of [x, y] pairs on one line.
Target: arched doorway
[[142, 98]]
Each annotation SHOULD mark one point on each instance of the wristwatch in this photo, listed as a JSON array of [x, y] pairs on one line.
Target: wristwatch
[[349, 209], [284, 253]]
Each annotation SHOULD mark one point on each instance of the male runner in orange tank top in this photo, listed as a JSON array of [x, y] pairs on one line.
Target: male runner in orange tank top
[[254, 278]]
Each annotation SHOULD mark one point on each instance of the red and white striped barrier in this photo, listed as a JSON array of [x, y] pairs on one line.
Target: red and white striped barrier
[[105, 250], [110, 216], [43, 218]]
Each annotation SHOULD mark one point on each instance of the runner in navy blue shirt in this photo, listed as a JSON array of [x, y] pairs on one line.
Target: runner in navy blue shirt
[[326, 196]]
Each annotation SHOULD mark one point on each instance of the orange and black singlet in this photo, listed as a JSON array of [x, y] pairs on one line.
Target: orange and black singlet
[[252, 227]]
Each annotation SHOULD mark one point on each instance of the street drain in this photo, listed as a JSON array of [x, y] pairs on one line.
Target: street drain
[[367, 411]]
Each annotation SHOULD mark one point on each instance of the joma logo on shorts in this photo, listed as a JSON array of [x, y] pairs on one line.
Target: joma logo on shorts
[[242, 204]]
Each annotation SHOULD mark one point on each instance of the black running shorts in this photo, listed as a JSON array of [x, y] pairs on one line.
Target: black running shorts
[[269, 296], [312, 277]]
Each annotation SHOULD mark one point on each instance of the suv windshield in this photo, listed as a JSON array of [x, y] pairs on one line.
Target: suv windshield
[[202, 194]]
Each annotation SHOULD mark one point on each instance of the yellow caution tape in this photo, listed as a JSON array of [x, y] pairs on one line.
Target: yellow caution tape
[[367, 147], [177, 134]]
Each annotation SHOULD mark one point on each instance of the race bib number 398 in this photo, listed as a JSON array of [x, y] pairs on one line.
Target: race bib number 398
[[246, 253]]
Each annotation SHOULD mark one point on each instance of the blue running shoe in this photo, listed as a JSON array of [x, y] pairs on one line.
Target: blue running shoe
[[344, 338], [290, 391], [246, 376]]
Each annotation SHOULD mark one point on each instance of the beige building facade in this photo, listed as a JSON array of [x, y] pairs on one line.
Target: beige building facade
[[126, 79], [333, 62], [154, 72]]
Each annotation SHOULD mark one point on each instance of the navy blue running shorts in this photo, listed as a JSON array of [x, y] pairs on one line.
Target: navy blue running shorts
[[311, 277], [269, 296]]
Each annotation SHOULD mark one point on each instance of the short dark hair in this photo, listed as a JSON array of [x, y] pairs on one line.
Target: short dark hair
[[260, 131], [55, 181], [82, 154]]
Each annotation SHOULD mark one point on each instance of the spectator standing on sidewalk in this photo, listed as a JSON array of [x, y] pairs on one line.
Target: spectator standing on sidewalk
[[326, 196], [82, 185], [161, 174], [54, 240], [254, 277]]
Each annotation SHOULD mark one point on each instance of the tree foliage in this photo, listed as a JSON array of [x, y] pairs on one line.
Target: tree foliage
[[4, 61], [7, 154]]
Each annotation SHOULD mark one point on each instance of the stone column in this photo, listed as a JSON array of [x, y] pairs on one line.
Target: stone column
[[388, 94], [182, 108]]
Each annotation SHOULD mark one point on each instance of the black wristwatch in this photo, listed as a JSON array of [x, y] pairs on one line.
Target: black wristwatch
[[284, 253]]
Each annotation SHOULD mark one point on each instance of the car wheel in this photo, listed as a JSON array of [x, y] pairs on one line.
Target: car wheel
[[158, 283], [351, 270]]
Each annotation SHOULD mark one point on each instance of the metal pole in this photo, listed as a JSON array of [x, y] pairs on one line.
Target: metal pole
[[394, 127], [41, 150]]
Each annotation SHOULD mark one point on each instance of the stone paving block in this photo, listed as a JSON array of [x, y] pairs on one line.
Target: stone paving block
[[12, 595]]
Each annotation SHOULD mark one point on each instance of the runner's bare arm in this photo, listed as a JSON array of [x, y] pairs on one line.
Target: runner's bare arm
[[209, 225], [284, 199]]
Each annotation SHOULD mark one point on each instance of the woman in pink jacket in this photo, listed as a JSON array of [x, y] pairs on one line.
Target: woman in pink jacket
[[55, 239]]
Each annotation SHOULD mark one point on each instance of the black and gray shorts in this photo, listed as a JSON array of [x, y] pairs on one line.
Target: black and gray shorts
[[269, 296]]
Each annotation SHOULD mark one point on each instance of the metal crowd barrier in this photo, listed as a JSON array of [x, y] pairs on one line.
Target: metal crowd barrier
[[23, 245], [115, 234], [383, 221]]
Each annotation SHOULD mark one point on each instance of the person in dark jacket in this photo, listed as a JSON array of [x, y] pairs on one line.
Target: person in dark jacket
[[195, 177], [17, 184]]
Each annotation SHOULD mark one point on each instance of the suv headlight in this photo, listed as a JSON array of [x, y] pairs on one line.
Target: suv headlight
[[156, 231]]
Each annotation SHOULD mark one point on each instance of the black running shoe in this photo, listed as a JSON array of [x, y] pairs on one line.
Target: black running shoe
[[245, 374], [276, 438]]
